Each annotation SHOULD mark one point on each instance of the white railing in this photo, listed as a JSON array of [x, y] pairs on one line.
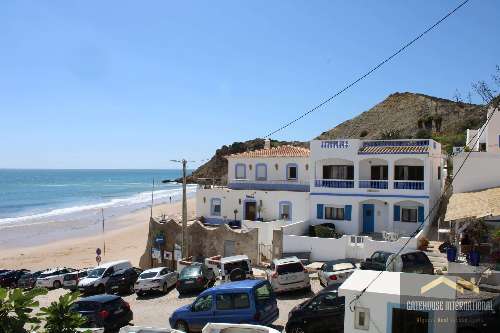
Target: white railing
[[270, 181], [375, 184], [408, 185], [334, 183]]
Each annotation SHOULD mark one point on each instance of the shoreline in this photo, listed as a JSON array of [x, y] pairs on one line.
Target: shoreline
[[75, 244]]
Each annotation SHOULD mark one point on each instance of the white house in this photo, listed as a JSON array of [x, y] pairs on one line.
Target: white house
[[266, 184], [482, 169], [366, 186]]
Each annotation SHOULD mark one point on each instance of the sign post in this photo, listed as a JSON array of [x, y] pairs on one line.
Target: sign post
[[98, 257]]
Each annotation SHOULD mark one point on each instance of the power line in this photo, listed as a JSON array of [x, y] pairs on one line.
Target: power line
[[430, 211], [373, 69]]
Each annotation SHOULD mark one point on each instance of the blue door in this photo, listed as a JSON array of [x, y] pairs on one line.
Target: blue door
[[368, 218]]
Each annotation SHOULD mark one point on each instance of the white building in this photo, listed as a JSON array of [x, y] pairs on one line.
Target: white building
[[482, 169], [266, 184], [366, 186]]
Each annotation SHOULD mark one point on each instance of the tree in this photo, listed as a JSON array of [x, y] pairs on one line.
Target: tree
[[16, 308], [58, 315]]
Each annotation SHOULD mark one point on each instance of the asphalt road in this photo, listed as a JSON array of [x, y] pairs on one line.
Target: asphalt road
[[155, 309]]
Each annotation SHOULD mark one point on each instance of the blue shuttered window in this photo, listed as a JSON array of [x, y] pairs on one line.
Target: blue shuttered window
[[319, 211], [421, 214], [397, 212], [347, 212]]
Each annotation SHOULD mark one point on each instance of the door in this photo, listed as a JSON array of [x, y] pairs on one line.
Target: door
[[368, 218], [250, 210], [201, 313], [229, 248]]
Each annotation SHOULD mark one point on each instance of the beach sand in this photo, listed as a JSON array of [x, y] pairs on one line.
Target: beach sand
[[68, 244]]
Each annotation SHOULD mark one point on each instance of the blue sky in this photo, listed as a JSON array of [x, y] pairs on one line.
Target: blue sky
[[128, 84]]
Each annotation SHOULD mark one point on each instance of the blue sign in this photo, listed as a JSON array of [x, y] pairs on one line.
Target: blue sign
[[160, 240], [98, 251], [341, 144]]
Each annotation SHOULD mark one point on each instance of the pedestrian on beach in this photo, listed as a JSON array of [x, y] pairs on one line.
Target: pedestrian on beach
[[170, 199]]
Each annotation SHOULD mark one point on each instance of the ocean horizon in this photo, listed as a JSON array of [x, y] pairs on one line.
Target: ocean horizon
[[32, 195]]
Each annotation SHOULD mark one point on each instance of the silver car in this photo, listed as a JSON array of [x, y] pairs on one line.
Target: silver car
[[288, 274], [335, 272], [155, 279]]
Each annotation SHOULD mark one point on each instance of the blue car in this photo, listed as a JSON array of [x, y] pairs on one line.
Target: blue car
[[247, 302]]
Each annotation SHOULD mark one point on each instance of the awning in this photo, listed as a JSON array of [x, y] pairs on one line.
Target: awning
[[474, 204]]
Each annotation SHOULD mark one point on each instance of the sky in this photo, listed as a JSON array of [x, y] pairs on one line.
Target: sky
[[134, 84]]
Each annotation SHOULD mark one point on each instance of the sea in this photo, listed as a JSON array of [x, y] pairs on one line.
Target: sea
[[29, 196]]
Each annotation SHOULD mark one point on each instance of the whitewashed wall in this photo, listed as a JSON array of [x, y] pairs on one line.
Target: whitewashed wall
[[273, 173], [480, 171], [297, 228], [265, 229]]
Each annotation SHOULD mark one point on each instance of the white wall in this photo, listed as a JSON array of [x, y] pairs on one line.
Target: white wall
[[265, 235], [298, 228], [273, 174], [480, 171], [493, 132], [235, 199]]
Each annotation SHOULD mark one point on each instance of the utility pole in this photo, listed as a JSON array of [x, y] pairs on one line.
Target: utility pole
[[184, 211]]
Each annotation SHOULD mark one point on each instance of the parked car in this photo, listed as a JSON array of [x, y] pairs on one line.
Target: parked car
[[288, 274], [323, 313], [71, 280], [9, 279], [409, 262], [53, 278], [235, 268], [108, 311], [95, 281], [123, 282], [196, 277], [240, 328], [247, 301], [335, 271], [155, 279], [28, 280]]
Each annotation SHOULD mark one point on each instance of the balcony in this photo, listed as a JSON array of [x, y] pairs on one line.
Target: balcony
[[269, 185], [334, 183], [374, 184], [408, 185]]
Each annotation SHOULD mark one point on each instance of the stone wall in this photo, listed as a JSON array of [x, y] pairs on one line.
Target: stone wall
[[202, 241]]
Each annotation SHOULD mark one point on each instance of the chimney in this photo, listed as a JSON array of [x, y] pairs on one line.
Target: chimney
[[267, 144]]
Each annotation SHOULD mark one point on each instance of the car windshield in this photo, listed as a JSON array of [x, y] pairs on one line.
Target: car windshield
[[148, 275], [333, 267], [85, 306], [69, 277], [95, 273], [190, 271]]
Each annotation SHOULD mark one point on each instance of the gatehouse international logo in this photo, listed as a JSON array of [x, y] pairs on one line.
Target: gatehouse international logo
[[458, 286]]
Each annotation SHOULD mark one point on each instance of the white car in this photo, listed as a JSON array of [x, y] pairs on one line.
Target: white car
[[236, 328], [288, 274], [155, 279], [335, 272], [95, 281], [53, 278]]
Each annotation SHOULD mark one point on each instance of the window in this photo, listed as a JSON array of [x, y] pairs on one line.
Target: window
[[295, 267], [286, 211], [291, 172], [260, 172], [327, 301], [263, 294], [409, 321], [333, 213], [409, 214], [439, 172], [408, 172], [379, 172], [215, 207], [224, 302], [338, 172], [203, 304], [362, 318], [240, 171], [232, 301]]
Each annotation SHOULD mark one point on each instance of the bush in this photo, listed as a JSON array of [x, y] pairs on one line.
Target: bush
[[58, 315], [363, 133], [16, 308], [325, 232], [423, 134]]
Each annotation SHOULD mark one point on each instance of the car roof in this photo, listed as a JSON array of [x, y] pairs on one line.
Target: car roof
[[112, 263], [243, 285], [329, 289], [226, 260], [154, 270], [288, 260], [103, 298]]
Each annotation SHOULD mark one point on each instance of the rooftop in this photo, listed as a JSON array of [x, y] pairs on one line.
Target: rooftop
[[280, 151], [475, 204]]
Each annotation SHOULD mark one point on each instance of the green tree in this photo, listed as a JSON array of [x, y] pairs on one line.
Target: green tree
[[58, 316], [16, 310]]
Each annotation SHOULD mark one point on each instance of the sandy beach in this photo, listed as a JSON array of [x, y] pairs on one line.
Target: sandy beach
[[73, 243]]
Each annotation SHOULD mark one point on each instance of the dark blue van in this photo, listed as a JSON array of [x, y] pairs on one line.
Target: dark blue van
[[247, 302]]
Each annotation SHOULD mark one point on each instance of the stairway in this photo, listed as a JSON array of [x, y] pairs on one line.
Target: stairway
[[438, 259]]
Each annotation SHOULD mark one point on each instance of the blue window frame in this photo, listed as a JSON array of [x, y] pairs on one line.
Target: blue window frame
[[285, 210], [260, 171], [240, 171], [215, 207], [292, 171]]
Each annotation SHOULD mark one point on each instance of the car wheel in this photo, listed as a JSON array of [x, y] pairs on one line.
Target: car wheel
[[56, 284], [164, 289], [296, 329], [131, 289], [181, 326]]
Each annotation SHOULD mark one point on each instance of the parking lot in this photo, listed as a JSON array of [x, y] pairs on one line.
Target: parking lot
[[155, 309]]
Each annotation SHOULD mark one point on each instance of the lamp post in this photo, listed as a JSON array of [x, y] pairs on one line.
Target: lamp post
[[184, 245]]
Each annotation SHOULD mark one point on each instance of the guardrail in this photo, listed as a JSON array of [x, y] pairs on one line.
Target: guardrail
[[376, 184], [408, 185], [334, 183]]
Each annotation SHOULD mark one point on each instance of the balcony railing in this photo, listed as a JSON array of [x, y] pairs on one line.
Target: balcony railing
[[395, 143], [277, 185], [408, 185], [334, 183], [375, 184]]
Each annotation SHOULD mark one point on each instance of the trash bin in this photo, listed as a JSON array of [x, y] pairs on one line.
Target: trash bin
[[474, 258], [451, 253]]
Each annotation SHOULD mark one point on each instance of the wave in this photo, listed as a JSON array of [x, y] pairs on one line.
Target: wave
[[139, 199]]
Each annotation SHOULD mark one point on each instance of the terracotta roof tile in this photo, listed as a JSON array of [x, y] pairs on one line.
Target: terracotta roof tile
[[394, 150], [280, 151]]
